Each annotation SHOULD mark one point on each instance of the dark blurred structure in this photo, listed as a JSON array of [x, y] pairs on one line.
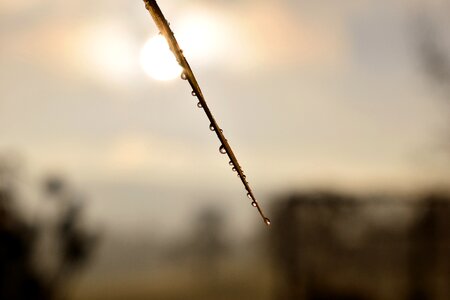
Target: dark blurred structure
[[331, 246], [429, 263], [21, 270]]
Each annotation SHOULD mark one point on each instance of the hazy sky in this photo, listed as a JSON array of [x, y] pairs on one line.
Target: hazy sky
[[308, 93]]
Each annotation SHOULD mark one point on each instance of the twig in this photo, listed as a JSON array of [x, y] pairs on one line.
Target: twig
[[188, 75]]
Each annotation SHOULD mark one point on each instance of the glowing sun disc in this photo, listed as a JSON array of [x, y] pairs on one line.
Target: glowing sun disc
[[158, 61]]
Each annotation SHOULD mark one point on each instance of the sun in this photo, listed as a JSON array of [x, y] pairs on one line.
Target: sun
[[202, 37], [158, 61]]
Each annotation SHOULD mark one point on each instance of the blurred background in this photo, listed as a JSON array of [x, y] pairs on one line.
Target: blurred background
[[112, 185]]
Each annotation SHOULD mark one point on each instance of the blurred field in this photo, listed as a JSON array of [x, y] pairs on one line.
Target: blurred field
[[182, 283]]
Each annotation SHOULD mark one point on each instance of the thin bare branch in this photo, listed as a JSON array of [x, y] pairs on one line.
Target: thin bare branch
[[188, 75]]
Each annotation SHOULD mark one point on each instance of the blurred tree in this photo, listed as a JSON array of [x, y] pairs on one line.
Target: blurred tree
[[20, 277], [74, 243], [208, 242], [434, 55], [433, 40]]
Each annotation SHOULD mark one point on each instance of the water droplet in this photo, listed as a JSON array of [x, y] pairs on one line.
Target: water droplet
[[183, 76], [267, 221], [254, 204], [234, 169], [211, 127], [199, 105], [193, 93], [222, 149], [230, 163], [249, 196]]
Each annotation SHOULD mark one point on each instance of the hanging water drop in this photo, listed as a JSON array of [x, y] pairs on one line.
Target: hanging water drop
[[183, 76], [234, 169], [231, 163], [267, 221], [211, 127], [199, 105], [254, 204], [249, 196], [222, 149], [193, 93]]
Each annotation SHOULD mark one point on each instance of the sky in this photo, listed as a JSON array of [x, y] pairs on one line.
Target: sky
[[309, 93]]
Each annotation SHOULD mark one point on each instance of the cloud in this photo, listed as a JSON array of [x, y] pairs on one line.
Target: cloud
[[10, 7], [274, 36], [101, 49], [106, 46]]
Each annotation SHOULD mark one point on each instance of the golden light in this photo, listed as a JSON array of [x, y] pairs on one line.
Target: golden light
[[200, 36], [158, 61]]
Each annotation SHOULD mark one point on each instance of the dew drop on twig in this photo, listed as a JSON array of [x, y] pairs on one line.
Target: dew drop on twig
[[267, 221], [199, 105], [254, 204], [222, 149], [249, 196], [230, 163], [211, 127], [234, 169], [183, 76], [193, 93]]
